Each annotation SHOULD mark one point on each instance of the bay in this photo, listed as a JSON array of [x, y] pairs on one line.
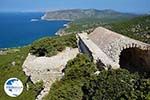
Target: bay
[[20, 29]]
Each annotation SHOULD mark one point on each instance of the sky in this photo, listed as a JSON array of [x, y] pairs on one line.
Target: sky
[[133, 6]]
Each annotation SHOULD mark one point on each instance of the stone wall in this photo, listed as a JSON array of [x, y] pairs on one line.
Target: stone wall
[[47, 69], [89, 47], [112, 44], [83, 48]]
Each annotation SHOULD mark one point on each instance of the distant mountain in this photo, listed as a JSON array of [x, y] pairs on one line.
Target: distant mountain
[[75, 14]]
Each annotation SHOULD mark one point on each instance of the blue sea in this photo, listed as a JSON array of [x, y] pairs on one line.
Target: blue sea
[[20, 29]]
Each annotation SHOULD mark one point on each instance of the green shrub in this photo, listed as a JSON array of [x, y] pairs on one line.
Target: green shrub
[[7, 70], [69, 87], [37, 88], [80, 83], [52, 45], [79, 68], [65, 90], [137, 28], [117, 85]]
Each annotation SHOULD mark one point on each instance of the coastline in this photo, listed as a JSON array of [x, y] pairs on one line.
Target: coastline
[[51, 30], [4, 51], [44, 17], [59, 32], [8, 50]]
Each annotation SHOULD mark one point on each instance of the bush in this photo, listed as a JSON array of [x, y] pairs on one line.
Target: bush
[[65, 90], [69, 87], [80, 67], [80, 83], [137, 28], [37, 88], [52, 45], [117, 85], [7, 70]]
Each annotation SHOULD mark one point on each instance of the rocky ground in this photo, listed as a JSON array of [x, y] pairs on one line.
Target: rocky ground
[[47, 69]]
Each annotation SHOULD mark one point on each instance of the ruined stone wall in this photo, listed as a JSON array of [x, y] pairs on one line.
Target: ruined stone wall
[[83, 48], [106, 47], [89, 47], [112, 43]]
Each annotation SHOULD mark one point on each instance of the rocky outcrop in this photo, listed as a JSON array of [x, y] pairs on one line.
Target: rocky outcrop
[[47, 69]]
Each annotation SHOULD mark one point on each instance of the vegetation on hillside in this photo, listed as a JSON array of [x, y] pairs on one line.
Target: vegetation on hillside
[[77, 72], [137, 28], [87, 19], [75, 14], [50, 46], [117, 85], [80, 82], [89, 24], [12, 59], [11, 66]]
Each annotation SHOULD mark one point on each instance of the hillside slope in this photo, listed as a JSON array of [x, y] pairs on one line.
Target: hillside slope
[[137, 28], [75, 14]]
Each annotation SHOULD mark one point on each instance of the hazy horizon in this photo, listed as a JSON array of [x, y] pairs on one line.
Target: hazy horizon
[[70, 9], [128, 6]]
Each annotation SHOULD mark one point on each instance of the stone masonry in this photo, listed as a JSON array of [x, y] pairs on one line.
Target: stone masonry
[[47, 69], [110, 45]]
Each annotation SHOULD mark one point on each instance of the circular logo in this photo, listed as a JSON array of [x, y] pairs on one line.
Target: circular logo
[[13, 87]]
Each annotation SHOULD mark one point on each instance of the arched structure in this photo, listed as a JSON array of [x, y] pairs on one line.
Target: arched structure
[[117, 47], [134, 59]]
